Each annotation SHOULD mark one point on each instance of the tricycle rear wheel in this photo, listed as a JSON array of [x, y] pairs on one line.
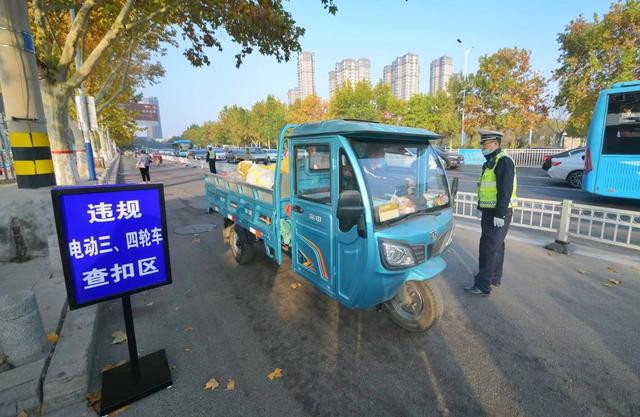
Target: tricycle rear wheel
[[419, 308], [241, 243]]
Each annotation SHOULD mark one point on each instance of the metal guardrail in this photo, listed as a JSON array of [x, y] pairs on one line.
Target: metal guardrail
[[521, 157], [566, 218]]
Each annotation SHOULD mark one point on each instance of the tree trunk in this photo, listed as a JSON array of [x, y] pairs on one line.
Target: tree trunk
[[60, 136], [81, 154]]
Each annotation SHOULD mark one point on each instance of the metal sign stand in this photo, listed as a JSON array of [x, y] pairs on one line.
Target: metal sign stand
[[136, 379]]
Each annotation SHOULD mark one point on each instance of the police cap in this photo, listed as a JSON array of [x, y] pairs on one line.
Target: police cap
[[486, 135]]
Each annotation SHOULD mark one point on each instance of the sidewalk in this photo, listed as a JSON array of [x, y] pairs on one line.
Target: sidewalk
[[52, 379]]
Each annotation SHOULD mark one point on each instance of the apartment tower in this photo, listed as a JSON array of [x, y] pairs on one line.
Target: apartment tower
[[349, 70], [441, 71]]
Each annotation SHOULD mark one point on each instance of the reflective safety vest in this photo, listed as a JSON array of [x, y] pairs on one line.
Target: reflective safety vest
[[488, 189], [212, 154]]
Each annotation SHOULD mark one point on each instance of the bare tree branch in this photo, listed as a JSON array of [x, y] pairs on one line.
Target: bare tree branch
[[151, 16], [76, 32], [120, 88], [105, 43]]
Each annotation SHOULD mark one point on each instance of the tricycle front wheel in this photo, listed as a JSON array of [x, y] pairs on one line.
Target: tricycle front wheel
[[416, 306]]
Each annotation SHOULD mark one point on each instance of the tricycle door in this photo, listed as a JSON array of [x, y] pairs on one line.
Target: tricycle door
[[350, 232], [312, 214]]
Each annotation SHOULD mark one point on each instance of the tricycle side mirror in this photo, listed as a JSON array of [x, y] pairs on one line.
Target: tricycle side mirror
[[454, 190], [350, 209]]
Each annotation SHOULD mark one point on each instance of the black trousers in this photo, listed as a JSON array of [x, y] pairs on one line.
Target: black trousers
[[491, 256], [144, 172], [212, 166]]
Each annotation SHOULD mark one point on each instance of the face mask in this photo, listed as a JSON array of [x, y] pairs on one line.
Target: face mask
[[486, 152]]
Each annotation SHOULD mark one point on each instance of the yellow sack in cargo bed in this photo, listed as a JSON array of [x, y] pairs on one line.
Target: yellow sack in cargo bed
[[260, 176]]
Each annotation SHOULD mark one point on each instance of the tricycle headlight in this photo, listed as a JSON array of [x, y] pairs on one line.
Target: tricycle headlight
[[397, 255]]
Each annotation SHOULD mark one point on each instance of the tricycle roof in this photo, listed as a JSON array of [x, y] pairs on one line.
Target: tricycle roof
[[363, 129]]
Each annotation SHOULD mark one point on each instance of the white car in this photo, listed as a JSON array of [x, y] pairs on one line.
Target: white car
[[568, 166], [272, 153]]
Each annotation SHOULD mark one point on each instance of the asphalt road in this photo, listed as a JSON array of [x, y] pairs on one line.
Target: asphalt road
[[534, 183], [552, 341]]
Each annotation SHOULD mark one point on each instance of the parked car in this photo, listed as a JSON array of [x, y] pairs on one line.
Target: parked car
[[568, 166], [197, 154], [272, 154], [257, 155], [221, 154], [452, 160]]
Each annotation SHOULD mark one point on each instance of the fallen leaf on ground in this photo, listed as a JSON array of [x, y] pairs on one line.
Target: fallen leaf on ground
[[188, 329], [93, 400], [118, 337], [150, 304], [231, 385], [187, 349], [583, 271], [211, 384], [53, 337], [615, 281], [119, 411], [110, 366], [22, 413], [613, 268], [277, 373], [296, 285]]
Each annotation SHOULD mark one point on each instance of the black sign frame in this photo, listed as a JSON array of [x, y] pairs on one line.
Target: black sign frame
[[58, 192]]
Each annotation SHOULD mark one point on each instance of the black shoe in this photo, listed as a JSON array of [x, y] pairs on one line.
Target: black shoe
[[478, 292], [470, 288], [495, 283]]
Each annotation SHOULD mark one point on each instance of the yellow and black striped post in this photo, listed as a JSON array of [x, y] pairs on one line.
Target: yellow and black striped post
[[31, 154], [22, 99]]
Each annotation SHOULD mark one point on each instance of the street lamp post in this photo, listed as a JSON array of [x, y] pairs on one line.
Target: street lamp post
[[464, 89]]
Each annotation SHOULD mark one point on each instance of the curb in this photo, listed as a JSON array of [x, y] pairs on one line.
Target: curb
[[65, 381], [580, 250]]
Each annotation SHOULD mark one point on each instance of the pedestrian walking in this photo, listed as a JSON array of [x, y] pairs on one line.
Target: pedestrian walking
[[496, 193], [144, 160], [211, 159]]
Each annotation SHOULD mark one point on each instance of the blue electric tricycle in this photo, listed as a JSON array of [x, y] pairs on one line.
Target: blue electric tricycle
[[364, 211]]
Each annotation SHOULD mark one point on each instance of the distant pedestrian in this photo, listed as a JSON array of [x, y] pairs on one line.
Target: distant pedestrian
[[144, 160], [156, 157], [496, 195], [211, 159]]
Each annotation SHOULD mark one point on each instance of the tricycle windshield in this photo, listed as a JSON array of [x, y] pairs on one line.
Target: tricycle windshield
[[402, 178]]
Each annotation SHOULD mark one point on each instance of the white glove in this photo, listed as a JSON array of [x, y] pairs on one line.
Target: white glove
[[498, 222]]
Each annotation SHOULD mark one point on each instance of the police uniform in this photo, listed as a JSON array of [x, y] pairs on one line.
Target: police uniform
[[496, 193], [211, 158]]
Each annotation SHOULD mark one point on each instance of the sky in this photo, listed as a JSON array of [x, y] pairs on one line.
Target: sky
[[380, 30]]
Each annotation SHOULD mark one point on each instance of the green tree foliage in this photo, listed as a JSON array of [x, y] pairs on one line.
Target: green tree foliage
[[364, 102], [267, 119], [434, 112], [310, 109], [595, 54], [506, 94]]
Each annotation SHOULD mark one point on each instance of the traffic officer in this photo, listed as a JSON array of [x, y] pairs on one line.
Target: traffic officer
[[496, 194], [211, 159]]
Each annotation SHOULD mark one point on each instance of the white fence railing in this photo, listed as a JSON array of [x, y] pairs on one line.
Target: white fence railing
[[566, 218], [521, 157]]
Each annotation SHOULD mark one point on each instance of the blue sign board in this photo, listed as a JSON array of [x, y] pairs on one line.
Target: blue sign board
[[113, 240]]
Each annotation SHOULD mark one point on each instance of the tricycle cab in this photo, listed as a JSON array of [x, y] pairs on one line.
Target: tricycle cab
[[371, 208]]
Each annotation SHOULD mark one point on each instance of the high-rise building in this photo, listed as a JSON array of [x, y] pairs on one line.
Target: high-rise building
[[441, 71], [405, 76], [293, 95], [306, 74], [387, 75], [351, 71]]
